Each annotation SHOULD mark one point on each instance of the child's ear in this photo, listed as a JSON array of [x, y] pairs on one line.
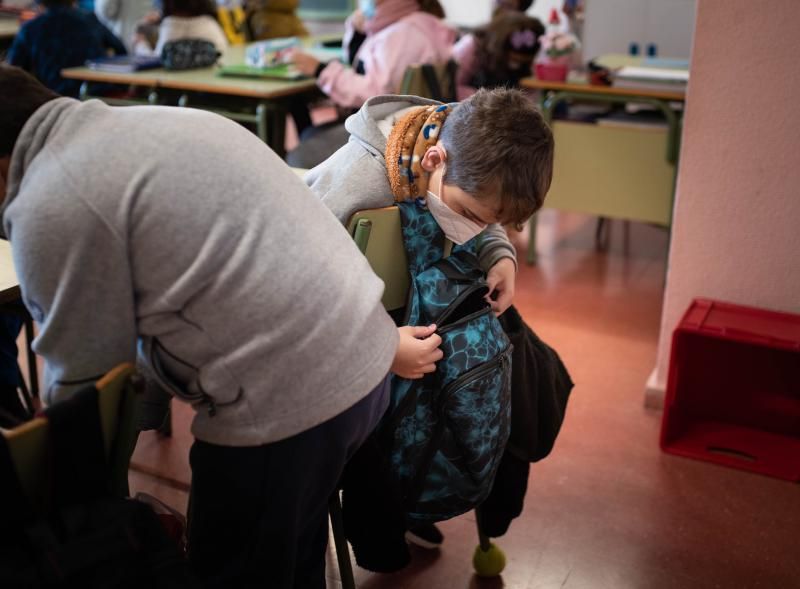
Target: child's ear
[[433, 158]]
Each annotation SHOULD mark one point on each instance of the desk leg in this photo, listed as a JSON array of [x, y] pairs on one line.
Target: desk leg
[[261, 122], [276, 131], [531, 257]]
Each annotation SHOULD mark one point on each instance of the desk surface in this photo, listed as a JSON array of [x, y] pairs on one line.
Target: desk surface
[[9, 285], [201, 80], [8, 28], [575, 86], [611, 61]]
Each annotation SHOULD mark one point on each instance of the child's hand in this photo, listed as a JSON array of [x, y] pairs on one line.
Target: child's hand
[[357, 20], [417, 352], [501, 279], [305, 63]]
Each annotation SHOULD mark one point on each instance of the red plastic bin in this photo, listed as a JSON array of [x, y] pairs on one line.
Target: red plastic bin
[[733, 391]]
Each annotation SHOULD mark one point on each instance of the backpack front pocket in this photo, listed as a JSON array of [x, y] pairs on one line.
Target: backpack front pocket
[[470, 341], [472, 432]]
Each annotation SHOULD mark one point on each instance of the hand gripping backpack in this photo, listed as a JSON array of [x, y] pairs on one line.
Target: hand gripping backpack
[[447, 431]]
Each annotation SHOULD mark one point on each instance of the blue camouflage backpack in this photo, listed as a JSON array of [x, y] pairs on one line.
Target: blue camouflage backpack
[[447, 431]]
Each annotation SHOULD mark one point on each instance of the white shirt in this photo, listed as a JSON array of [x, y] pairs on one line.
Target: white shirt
[[195, 27]]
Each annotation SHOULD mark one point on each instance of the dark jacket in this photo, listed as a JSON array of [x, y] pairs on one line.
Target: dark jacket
[[60, 38]]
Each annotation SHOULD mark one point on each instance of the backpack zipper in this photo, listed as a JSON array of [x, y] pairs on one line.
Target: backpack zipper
[[416, 483], [466, 319], [458, 300], [472, 374]]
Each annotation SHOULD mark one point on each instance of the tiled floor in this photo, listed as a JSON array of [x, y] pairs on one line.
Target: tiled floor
[[607, 509]]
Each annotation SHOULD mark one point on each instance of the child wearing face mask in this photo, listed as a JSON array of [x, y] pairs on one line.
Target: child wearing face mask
[[476, 165], [397, 34], [383, 38], [499, 54]]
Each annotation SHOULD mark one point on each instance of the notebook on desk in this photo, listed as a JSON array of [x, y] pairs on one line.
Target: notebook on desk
[[283, 71], [651, 78], [124, 64]]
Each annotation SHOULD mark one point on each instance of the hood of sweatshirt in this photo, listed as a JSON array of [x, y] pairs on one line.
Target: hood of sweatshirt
[[363, 125]]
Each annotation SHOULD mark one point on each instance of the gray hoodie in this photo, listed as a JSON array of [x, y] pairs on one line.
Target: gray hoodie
[[178, 230], [354, 178]]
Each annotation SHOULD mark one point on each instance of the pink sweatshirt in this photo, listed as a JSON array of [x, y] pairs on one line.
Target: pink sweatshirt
[[415, 39], [465, 55]]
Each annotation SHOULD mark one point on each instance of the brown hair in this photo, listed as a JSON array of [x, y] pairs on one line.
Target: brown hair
[[521, 6], [494, 44], [189, 8], [498, 144], [20, 96], [432, 7]]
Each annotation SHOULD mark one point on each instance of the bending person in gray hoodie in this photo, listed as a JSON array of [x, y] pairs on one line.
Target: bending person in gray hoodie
[[194, 242]]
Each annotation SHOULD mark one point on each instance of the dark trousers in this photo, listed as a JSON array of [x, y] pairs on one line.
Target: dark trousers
[[258, 515]]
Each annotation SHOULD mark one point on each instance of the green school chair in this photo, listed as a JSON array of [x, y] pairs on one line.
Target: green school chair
[[378, 234], [435, 81], [117, 399]]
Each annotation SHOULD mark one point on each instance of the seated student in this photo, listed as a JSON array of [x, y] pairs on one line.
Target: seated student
[[63, 36], [269, 19], [384, 38], [489, 162], [399, 33], [185, 245], [122, 17], [185, 19], [499, 54]]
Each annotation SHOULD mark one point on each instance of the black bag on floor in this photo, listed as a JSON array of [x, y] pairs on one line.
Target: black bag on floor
[[83, 537], [540, 388]]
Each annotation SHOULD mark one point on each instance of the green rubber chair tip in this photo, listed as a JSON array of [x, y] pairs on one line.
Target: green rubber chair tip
[[489, 563]]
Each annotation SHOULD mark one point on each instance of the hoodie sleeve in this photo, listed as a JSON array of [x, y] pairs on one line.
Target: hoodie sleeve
[[494, 246], [76, 283]]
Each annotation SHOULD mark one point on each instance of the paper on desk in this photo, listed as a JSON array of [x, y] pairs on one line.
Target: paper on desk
[[678, 76]]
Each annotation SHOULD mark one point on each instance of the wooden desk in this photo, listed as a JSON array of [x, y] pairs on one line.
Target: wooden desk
[[8, 28], [593, 91], [611, 171], [9, 285], [264, 101]]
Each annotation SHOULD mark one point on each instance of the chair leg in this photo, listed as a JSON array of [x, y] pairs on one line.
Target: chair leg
[[33, 373], [339, 540], [26, 395], [483, 539], [602, 234], [165, 429]]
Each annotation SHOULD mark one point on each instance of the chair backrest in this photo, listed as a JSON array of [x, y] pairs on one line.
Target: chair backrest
[[436, 81], [117, 400], [378, 234]]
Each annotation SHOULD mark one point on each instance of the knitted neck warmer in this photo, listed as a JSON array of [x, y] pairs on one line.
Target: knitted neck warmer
[[410, 138]]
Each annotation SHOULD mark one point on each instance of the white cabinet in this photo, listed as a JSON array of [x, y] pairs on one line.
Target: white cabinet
[[612, 25]]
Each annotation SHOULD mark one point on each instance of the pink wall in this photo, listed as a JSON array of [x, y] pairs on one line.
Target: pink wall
[[736, 225]]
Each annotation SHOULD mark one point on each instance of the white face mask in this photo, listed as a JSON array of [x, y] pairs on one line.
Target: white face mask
[[457, 228], [367, 8]]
